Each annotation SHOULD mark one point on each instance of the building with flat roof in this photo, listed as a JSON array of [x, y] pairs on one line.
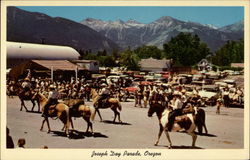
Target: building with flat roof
[[155, 65]]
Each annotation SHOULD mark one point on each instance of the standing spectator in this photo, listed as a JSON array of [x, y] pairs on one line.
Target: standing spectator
[[21, 142], [219, 104], [87, 91], [226, 98], [9, 141]]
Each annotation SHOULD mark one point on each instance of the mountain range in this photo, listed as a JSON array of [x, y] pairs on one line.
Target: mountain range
[[134, 34], [33, 27], [94, 34]]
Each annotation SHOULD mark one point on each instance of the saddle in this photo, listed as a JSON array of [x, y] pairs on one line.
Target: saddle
[[75, 108], [105, 101]]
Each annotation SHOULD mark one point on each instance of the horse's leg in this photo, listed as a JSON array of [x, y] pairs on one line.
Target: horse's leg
[[38, 104], [116, 113], [42, 125], [64, 125], [97, 110], [71, 123], [33, 102], [168, 137], [21, 106], [24, 106], [67, 122], [47, 120], [194, 137], [159, 135], [89, 124], [204, 125]]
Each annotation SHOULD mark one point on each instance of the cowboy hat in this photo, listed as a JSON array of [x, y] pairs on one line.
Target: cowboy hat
[[176, 93], [27, 79], [52, 86], [103, 85]]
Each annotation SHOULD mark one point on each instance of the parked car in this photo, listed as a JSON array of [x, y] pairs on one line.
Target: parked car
[[210, 94]]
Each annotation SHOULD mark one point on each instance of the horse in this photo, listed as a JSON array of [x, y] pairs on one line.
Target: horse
[[28, 96], [79, 109], [186, 122], [200, 116], [59, 110], [111, 103]]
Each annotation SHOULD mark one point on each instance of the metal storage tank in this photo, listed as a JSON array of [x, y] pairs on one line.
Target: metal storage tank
[[20, 52]]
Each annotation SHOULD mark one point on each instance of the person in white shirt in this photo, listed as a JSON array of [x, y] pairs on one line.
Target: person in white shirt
[[26, 85], [176, 105], [104, 93], [52, 99]]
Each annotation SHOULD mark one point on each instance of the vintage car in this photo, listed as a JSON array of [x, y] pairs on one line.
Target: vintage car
[[210, 94], [112, 79]]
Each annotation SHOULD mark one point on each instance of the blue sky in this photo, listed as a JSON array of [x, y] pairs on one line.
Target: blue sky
[[217, 16]]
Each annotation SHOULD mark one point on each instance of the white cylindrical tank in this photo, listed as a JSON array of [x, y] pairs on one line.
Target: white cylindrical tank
[[16, 50]]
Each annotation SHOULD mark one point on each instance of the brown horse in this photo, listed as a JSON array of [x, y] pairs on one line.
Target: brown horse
[[59, 110], [112, 103], [186, 122], [79, 109], [28, 96], [200, 116]]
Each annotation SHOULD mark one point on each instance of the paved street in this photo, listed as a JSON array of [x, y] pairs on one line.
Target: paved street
[[136, 131]]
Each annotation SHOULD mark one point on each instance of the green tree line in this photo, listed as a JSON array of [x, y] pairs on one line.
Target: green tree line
[[185, 49]]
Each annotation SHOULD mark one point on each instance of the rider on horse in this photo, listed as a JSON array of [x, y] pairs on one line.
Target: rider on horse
[[176, 105], [26, 86], [104, 94], [53, 99]]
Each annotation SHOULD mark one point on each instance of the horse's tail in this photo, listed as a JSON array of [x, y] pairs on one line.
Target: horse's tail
[[92, 111], [119, 106], [201, 116]]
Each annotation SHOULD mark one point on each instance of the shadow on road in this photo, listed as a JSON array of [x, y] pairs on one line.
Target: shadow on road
[[203, 134], [34, 112], [117, 123], [74, 134], [206, 134], [181, 147], [186, 147]]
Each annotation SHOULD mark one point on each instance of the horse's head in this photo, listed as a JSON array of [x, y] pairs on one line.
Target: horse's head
[[151, 110], [156, 108]]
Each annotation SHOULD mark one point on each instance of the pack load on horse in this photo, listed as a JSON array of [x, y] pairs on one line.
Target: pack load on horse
[[102, 103], [77, 109], [26, 94]]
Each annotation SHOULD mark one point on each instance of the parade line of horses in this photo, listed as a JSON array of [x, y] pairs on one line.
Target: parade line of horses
[[192, 116]]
